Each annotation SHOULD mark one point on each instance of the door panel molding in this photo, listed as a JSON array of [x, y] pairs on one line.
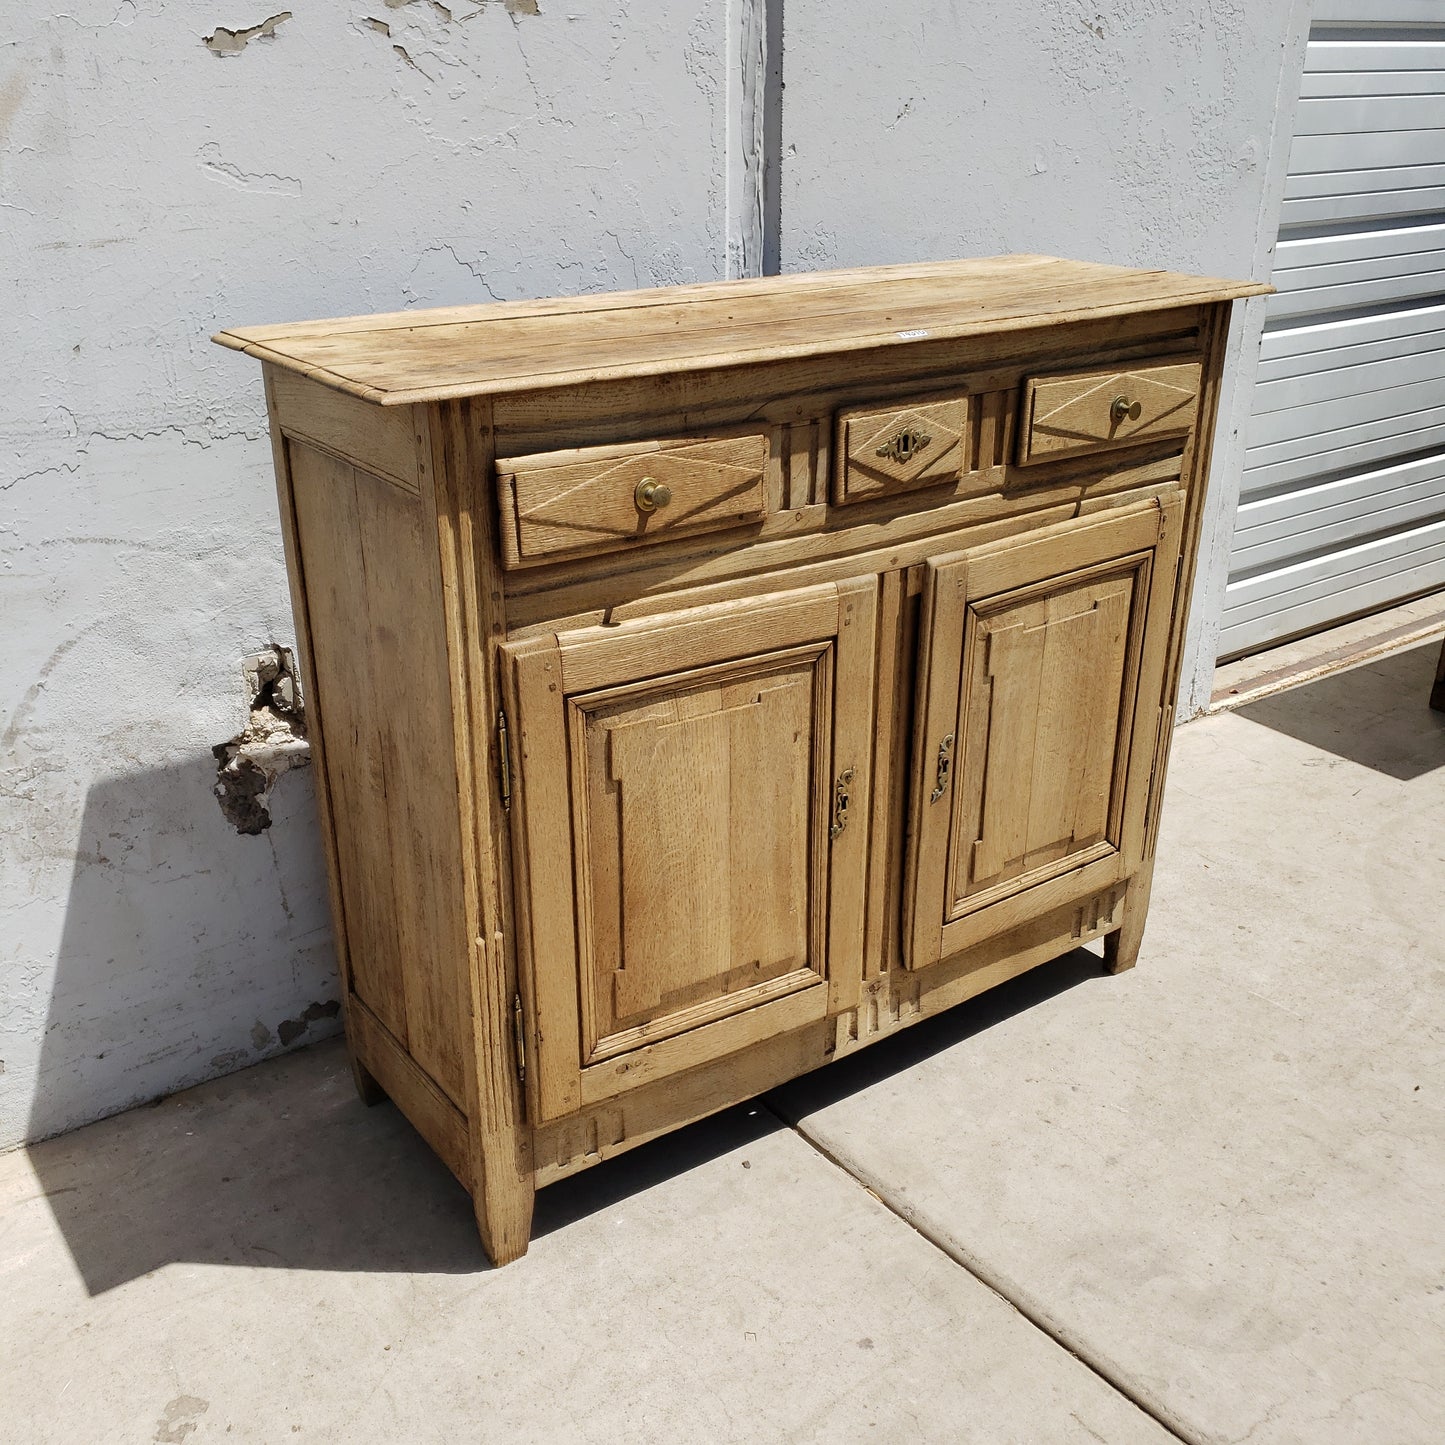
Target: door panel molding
[[1040, 667], [690, 833]]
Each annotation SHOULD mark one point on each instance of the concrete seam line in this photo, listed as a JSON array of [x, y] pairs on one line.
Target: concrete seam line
[[1156, 1410]]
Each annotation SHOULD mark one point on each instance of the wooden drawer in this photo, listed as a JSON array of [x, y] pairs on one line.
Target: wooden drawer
[[602, 499], [919, 443], [1088, 411]]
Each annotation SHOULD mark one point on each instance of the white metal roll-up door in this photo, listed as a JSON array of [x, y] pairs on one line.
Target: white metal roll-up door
[[1342, 503]]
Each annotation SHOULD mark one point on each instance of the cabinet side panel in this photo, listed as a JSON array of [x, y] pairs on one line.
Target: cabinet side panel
[[382, 706], [379, 438]]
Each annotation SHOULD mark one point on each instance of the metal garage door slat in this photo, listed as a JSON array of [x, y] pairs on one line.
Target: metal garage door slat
[[1368, 205], [1349, 296], [1352, 152], [1361, 115], [1342, 83], [1371, 374], [1315, 592], [1365, 195], [1401, 434], [1272, 530], [1336, 457], [1349, 341], [1325, 56], [1302, 426], [1321, 260], [1363, 180]]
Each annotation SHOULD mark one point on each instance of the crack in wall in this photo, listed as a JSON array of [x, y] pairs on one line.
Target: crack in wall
[[266, 182], [188, 434]]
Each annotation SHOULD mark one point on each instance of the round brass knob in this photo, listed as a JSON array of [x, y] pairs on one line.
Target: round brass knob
[[651, 495], [1125, 410]]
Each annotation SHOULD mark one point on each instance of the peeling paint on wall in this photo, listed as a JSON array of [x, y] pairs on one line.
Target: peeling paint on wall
[[225, 42], [272, 742], [407, 60], [289, 1030], [513, 7]]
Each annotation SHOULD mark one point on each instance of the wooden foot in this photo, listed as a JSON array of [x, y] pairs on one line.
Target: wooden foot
[[371, 1092], [1121, 949], [1437, 693], [504, 1215]]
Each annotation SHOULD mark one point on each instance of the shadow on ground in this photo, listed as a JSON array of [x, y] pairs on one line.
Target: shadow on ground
[[282, 1165], [1357, 715]]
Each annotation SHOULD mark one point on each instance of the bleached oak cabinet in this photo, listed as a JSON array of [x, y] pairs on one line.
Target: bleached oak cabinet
[[707, 682]]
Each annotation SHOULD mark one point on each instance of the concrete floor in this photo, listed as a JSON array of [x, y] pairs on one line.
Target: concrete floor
[[1199, 1201]]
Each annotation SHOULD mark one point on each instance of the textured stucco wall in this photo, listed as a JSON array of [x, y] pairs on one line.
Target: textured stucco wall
[[1139, 132], [151, 191]]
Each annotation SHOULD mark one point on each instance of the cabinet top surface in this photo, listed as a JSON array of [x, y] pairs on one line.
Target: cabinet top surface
[[403, 357]]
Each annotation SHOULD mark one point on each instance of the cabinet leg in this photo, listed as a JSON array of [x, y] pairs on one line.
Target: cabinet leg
[[503, 1205], [1121, 949], [371, 1092]]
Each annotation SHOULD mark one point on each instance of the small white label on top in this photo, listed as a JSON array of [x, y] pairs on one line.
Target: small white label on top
[[911, 335]]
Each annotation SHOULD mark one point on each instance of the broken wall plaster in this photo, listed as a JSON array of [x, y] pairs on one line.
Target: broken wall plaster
[[225, 42], [289, 1030], [272, 742]]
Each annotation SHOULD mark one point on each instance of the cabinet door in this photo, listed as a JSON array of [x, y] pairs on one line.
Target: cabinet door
[[1040, 681], [690, 830]]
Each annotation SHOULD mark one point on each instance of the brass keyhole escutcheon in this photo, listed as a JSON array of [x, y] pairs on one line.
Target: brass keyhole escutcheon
[[905, 446], [840, 802], [651, 495], [945, 766], [1125, 410]]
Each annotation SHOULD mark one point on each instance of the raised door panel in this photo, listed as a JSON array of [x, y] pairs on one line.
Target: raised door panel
[[1040, 690], [1044, 687], [694, 816], [688, 881]]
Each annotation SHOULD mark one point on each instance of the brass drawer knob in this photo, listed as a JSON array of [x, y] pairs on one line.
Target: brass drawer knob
[[651, 495], [1125, 410]]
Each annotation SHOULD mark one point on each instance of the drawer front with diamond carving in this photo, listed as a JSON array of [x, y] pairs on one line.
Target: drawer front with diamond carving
[[1089, 411], [928, 443], [604, 499]]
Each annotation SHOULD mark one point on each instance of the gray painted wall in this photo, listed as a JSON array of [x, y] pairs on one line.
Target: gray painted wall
[[1140, 132], [375, 156]]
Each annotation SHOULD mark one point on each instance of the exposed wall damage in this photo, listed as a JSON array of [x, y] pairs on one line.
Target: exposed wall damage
[[272, 742], [289, 1030], [225, 42]]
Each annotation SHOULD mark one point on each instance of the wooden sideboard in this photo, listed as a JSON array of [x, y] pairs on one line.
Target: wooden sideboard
[[707, 682]]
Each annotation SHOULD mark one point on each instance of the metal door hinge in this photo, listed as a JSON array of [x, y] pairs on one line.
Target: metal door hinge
[[504, 762], [519, 1038]]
